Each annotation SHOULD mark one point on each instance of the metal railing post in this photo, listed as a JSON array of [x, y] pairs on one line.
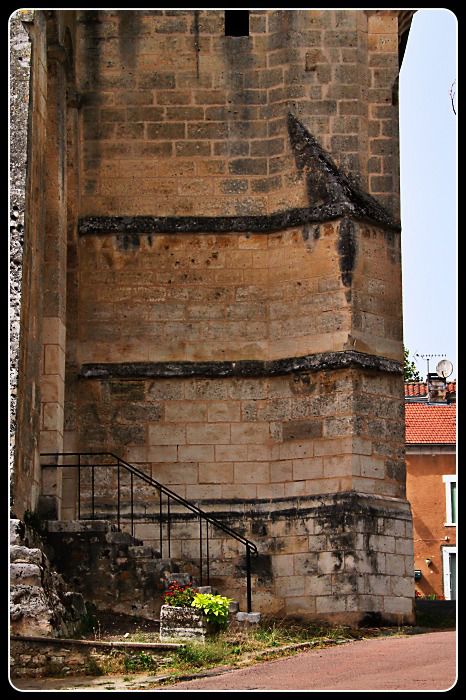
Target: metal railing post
[[207, 552], [248, 578], [132, 507], [118, 487], [168, 527], [200, 549], [79, 487], [93, 490], [160, 521]]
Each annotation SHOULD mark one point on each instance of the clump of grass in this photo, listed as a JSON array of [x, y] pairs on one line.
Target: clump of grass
[[196, 655], [139, 662], [93, 668], [236, 646]]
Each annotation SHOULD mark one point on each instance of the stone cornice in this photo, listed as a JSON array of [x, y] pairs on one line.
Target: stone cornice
[[240, 368], [267, 223]]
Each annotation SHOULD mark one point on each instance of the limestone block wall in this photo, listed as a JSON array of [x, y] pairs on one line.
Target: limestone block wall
[[211, 297], [202, 297], [40, 137], [179, 119], [262, 455], [236, 438]]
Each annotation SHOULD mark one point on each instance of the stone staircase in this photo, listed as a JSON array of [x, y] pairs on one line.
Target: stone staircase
[[113, 570], [99, 565]]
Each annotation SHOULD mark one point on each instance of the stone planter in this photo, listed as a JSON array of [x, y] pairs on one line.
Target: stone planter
[[183, 623]]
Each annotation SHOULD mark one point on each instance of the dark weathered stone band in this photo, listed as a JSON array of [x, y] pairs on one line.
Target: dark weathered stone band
[[144, 225], [241, 368]]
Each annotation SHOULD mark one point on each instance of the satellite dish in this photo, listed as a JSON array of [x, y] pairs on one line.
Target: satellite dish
[[444, 368]]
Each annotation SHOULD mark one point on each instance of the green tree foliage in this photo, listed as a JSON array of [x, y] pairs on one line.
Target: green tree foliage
[[411, 373]]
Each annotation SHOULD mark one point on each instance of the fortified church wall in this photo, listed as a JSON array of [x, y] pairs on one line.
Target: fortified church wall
[[218, 293]]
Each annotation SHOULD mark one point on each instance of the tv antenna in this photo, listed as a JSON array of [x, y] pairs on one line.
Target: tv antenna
[[428, 357]]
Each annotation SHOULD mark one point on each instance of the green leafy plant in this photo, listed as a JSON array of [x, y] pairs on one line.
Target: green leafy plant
[[140, 662], [178, 595], [214, 607]]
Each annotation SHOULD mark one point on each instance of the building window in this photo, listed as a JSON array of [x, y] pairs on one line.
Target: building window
[[450, 495], [449, 572], [236, 22]]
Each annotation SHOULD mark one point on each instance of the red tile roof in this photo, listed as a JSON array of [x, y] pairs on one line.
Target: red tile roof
[[420, 388], [430, 423]]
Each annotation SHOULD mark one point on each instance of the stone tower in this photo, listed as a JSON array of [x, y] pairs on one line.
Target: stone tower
[[212, 286]]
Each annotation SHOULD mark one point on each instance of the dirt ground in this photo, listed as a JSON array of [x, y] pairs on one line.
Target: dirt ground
[[114, 626]]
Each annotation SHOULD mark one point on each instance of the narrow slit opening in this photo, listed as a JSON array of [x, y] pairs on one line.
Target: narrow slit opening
[[236, 22]]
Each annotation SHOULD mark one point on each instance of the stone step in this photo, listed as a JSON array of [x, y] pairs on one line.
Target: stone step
[[143, 552], [123, 538], [183, 578], [252, 618], [234, 607], [16, 529], [25, 574], [80, 526], [29, 555], [207, 589]]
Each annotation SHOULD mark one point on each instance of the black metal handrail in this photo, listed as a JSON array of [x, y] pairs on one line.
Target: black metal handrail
[[134, 472]]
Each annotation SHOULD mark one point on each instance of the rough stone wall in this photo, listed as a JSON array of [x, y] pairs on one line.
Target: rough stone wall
[[20, 63], [179, 119], [26, 484], [38, 659], [40, 601], [111, 569]]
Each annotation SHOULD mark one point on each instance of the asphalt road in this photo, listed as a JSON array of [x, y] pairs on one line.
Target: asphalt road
[[416, 662]]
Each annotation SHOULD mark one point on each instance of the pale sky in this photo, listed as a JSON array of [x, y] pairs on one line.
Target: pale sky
[[428, 170]]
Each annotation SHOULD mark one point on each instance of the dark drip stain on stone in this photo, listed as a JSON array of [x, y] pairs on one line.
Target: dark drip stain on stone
[[347, 250], [127, 242], [311, 234], [129, 31], [197, 47]]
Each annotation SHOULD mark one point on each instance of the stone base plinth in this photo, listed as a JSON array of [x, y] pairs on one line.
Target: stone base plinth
[[343, 558], [182, 623]]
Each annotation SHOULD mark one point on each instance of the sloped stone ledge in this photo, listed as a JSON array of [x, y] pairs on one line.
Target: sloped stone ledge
[[241, 368]]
